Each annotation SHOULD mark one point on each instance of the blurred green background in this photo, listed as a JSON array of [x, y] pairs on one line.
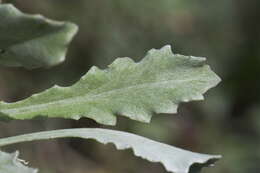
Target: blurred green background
[[227, 122]]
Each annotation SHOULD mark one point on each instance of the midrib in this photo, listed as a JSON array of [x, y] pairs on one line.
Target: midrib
[[87, 98]]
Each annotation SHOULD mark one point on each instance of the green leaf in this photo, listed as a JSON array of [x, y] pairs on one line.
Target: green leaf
[[10, 163], [32, 41], [157, 84], [173, 159]]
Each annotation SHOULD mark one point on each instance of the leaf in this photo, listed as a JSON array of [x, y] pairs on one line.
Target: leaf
[[10, 163], [173, 159], [32, 41], [157, 84]]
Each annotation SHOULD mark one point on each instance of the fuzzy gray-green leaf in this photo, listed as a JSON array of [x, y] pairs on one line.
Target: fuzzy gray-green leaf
[[32, 41], [10, 163], [157, 84], [174, 159]]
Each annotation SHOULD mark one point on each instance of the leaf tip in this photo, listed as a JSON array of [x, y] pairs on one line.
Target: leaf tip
[[208, 162]]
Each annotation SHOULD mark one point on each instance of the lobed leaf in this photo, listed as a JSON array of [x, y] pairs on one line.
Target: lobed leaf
[[10, 163], [32, 41], [157, 84], [173, 159]]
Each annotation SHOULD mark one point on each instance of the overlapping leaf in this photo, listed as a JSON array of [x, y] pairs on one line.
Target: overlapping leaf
[[157, 84], [32, 41], [10, 163], [173, 159]]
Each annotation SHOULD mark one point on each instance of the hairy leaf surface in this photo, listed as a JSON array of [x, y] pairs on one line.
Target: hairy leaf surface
[[32, 41], [157, 84], [10, 163], [173, 159]]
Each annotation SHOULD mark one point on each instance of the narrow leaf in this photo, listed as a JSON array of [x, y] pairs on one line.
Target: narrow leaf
[[157, 84], [173, 159], [10, 163], [32, 41]]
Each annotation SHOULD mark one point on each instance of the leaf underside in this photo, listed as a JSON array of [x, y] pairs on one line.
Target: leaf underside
[[32, 41], [157, 84], [10, 163], [173, 159]]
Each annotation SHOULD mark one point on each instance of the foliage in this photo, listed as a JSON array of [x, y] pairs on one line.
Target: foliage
[[10, 163], [157, 84], [32, 41], [174, 159]]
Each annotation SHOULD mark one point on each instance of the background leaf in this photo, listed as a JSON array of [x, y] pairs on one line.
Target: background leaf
[[10, 163], [157, 84], [173, 159], [32, 41]]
